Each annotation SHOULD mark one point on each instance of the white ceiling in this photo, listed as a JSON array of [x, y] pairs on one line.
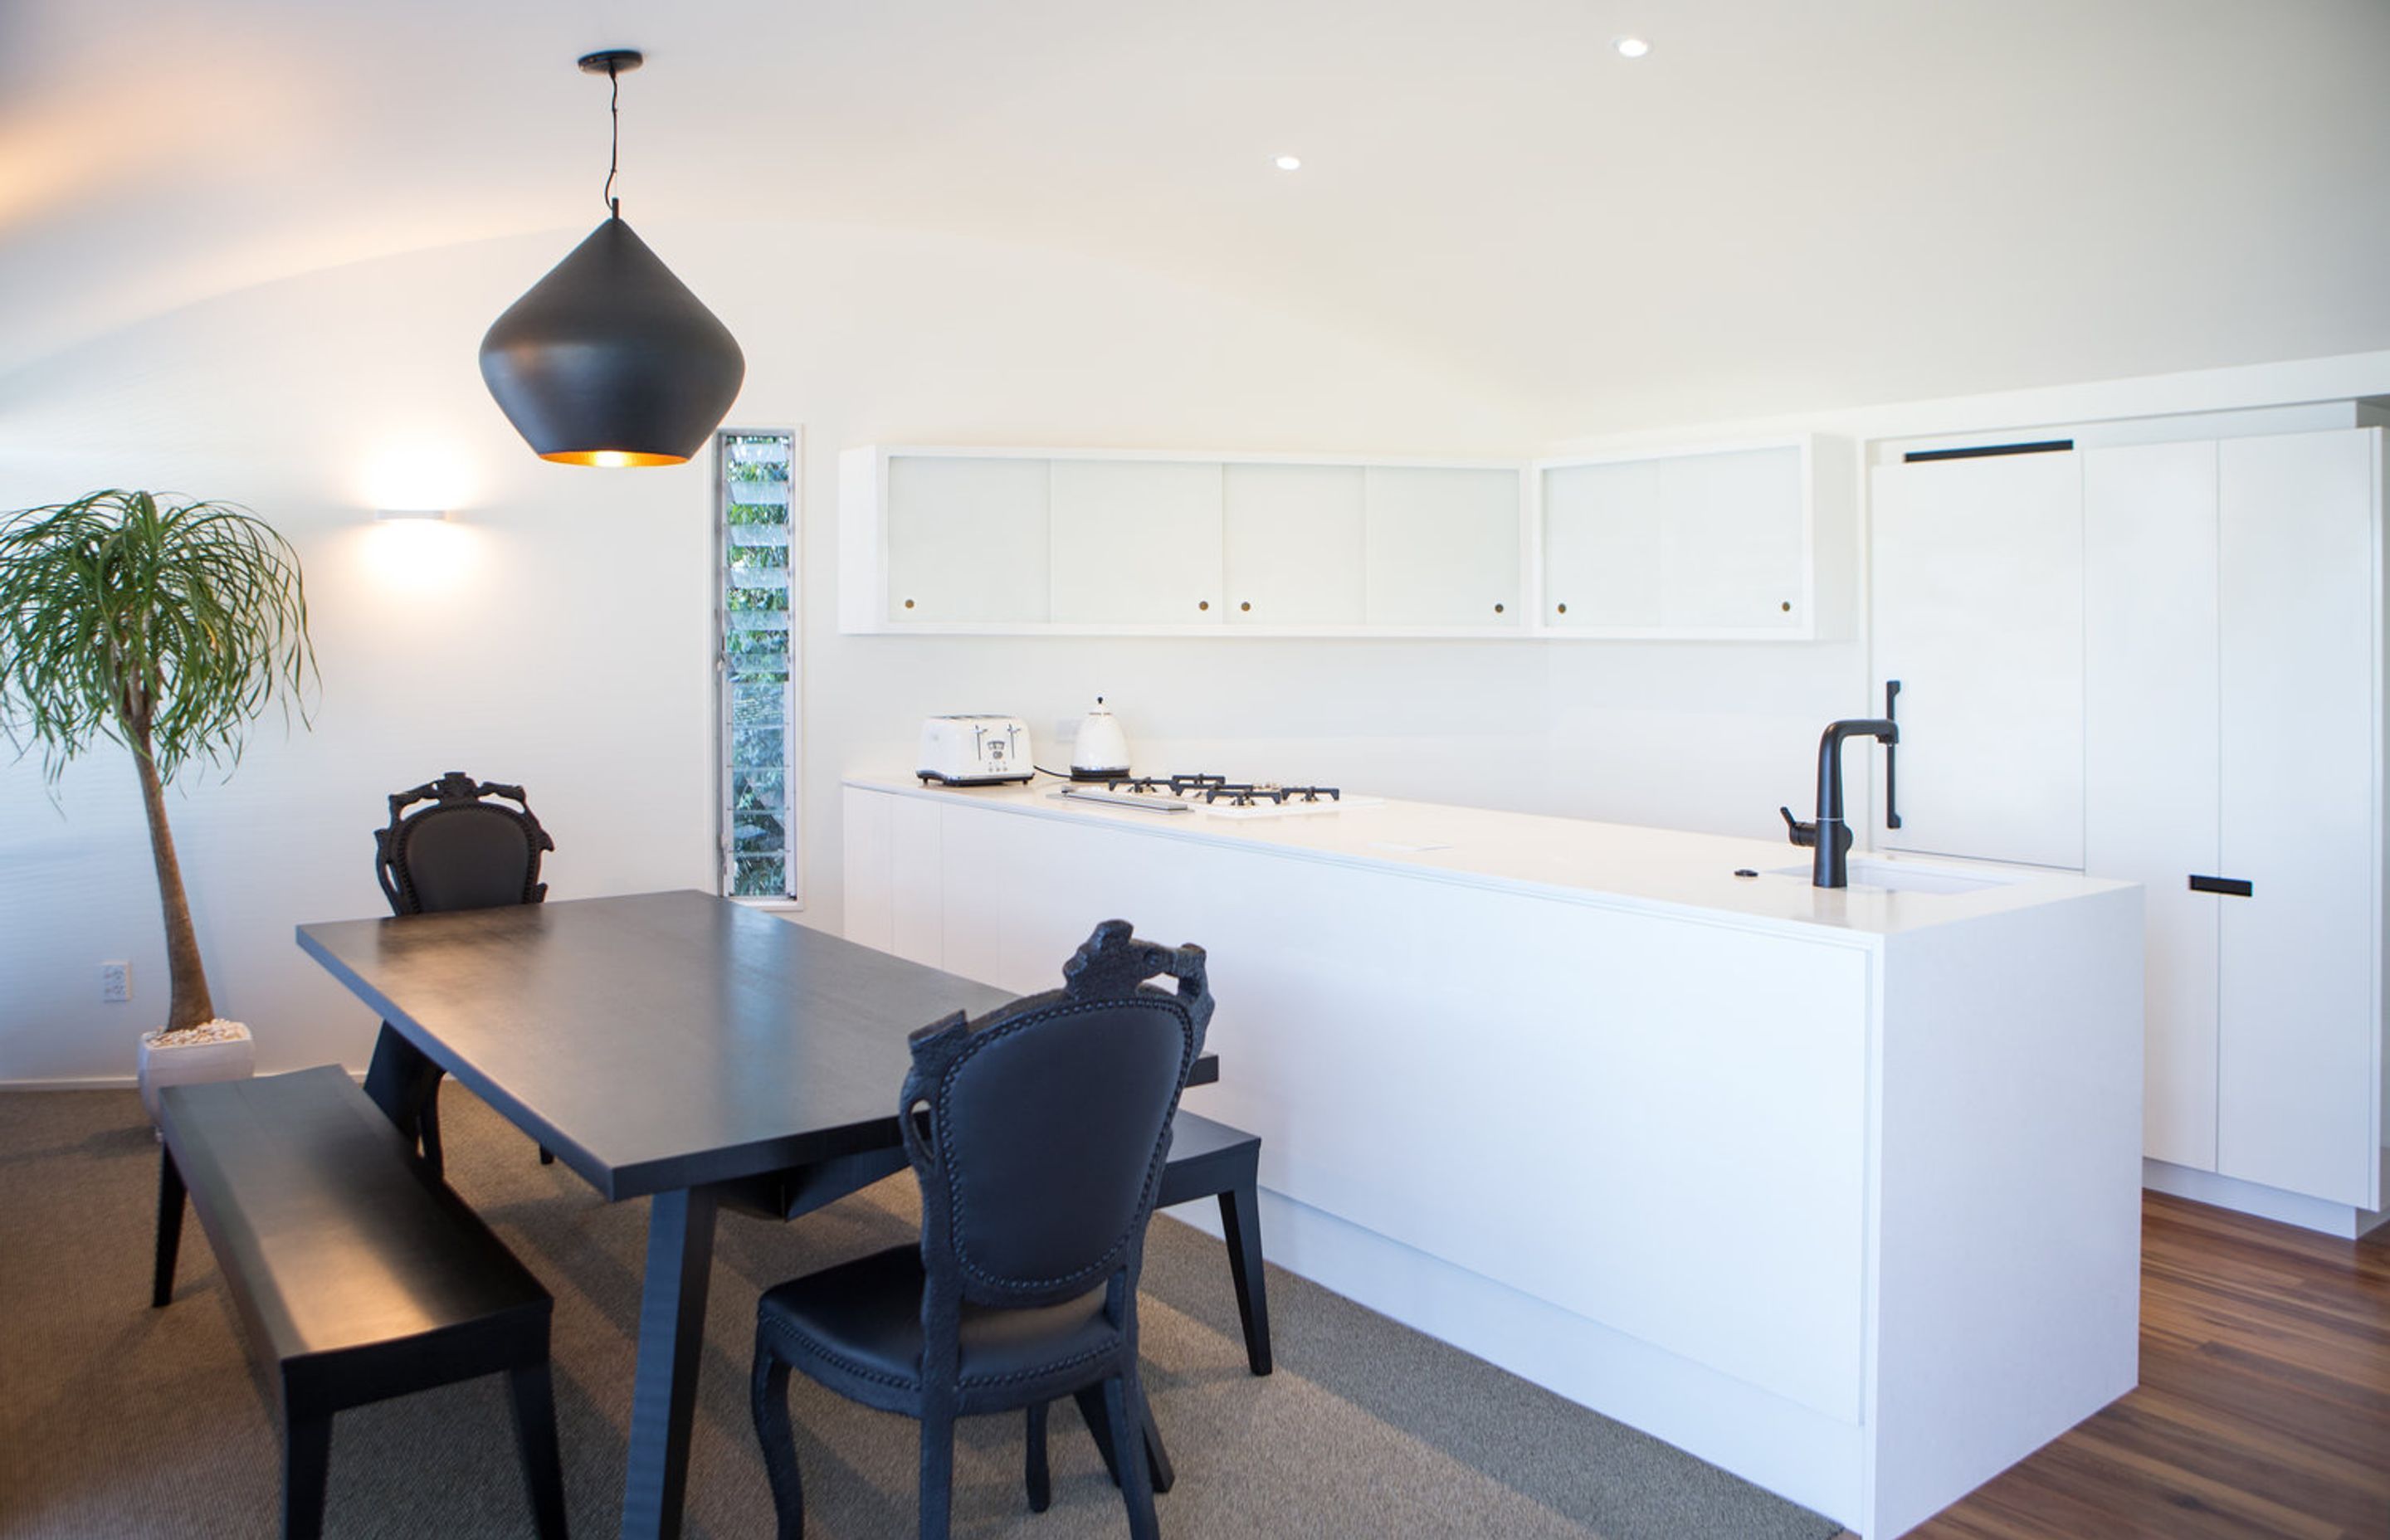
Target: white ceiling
[[1790, 204]]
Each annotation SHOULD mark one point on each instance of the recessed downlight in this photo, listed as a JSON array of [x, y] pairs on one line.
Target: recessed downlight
[[1287, 162], [1632, 47]]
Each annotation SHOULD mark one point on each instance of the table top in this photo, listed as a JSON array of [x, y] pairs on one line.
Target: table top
[[657, 1040]]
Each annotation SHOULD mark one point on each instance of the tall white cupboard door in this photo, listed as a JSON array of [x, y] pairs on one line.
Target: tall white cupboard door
[[2149, 755], [1978, 584], [1295, 536], [1443, 547], [2299, 1079], [965, 539], [1136, 542]]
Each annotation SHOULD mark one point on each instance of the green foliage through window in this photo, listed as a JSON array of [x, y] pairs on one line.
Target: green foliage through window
[[758, 720]]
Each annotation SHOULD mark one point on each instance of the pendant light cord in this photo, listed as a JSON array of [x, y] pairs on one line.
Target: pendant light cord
[[614, 156]]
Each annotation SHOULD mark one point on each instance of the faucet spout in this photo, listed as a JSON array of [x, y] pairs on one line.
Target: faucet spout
[[1830, 835]]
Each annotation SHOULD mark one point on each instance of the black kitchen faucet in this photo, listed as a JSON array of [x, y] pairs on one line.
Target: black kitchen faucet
[[1830, 835]]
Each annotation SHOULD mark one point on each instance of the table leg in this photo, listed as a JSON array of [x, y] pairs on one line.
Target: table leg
[[402, 1080], [672, 1340]]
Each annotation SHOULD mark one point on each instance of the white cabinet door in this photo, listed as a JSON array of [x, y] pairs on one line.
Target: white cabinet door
[[870, 866], [1692, 545], [915, 907], [1135, 542], [2149, 755], [1443, 547], [1738, 541], [965, 539], [1296, 537], [2297, 1087], [1606, 546], [1978, 584]]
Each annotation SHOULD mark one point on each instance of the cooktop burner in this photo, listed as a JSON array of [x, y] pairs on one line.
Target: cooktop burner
[[1215, 794]]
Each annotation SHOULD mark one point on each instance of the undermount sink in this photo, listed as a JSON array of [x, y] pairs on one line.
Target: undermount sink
[[1904, 877]]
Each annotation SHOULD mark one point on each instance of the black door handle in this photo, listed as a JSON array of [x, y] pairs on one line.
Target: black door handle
[[1891, 759], [2236, 887]]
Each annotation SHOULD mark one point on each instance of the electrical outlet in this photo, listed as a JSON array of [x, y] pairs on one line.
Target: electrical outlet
[[116, 981]]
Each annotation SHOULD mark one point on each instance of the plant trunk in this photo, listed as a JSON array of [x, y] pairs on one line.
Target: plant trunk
[[189, 1005]]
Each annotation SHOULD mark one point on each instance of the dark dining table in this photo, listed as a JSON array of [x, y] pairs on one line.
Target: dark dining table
[[675, 1047]]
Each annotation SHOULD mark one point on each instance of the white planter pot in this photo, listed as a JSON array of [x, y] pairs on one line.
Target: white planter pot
[[233, 1058]]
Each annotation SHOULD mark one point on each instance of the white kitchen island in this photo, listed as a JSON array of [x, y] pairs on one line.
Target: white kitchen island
[[1837, 1189]]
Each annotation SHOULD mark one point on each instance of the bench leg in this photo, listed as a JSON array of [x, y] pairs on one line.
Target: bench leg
[[306, 1461], [535, 1398], [1241, 1219], [170, 1226]]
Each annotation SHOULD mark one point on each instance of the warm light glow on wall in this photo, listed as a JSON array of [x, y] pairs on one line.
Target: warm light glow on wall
[[420, 557], [417, 476]]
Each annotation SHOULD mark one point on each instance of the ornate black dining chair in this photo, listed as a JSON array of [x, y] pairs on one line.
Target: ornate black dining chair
[[1038, 1134], [465, 851]]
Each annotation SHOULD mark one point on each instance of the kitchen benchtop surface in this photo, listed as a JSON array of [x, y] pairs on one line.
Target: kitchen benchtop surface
[[1623, 865]]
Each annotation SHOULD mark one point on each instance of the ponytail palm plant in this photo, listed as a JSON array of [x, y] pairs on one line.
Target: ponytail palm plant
[[161, 625]]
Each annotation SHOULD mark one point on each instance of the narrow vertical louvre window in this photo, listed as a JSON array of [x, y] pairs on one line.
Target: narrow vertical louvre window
[[756, 713]]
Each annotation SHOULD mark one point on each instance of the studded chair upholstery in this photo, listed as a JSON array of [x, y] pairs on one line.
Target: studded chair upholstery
[[1038, 1135], [465, 851]]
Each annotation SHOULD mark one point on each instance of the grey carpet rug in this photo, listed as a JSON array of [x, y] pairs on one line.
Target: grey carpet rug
[[119, 1420]]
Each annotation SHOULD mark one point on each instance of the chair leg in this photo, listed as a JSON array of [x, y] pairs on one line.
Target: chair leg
[[768, 1395], [1091, 1407], [306, 1461], [1122, 1401], [170, 1227], [427, 1125], [1157, 1458], [1240, 1220], [547, 1156], [1040, 1478], [535, 1398], [937, 1475]]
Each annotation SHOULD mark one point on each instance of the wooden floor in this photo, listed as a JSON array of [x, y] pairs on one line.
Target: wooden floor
[[2264, 1407]]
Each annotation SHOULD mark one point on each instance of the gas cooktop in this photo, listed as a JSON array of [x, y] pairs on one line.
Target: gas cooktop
[[1215, 795]]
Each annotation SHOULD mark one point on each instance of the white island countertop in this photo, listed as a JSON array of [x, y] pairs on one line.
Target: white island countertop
[[1574, 858]]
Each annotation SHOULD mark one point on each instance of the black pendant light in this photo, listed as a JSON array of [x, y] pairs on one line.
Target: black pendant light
[[610, 360]]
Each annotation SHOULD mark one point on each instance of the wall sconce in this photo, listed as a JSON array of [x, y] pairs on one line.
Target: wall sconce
[[387, 515]]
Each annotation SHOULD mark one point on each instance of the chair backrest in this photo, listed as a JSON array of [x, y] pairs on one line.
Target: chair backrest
[[1038, 1132], [464, 852]]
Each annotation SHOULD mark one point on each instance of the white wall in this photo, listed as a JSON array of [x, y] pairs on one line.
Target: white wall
[[557, 632]]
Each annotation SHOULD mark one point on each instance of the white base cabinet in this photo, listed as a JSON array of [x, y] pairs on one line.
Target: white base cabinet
[[2165, 662], [1802, 1197]]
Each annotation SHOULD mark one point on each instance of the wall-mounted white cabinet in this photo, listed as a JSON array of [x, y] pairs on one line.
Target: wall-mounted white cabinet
[[1443, 548], [2164, 662], [1080, 542], [1714, 544], [1296, 544], [1135, 543], [1706, 546]]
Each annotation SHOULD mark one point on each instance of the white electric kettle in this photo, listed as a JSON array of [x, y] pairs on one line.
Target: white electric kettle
[[1101, 752]]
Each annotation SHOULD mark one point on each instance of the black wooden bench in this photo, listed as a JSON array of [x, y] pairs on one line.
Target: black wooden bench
[[358, 1275]]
